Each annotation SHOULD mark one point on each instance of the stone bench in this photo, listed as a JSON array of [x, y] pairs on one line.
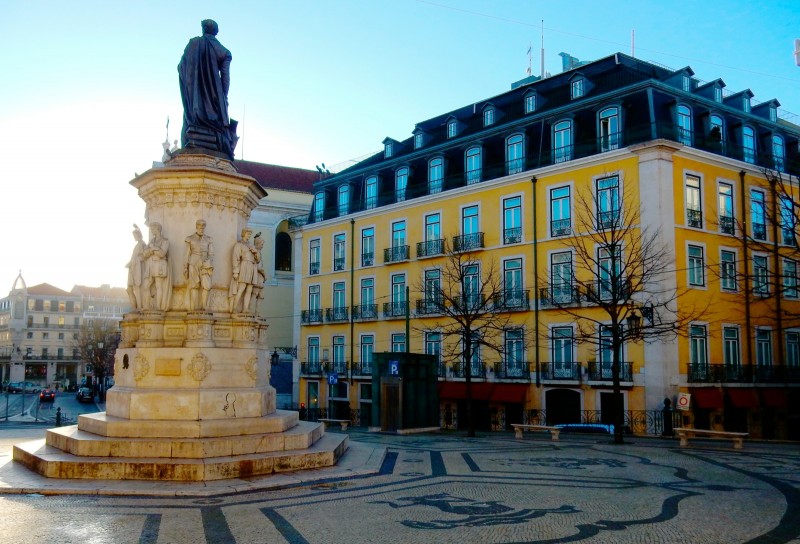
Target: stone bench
[[684, 434], [519, 427], [343, 422]]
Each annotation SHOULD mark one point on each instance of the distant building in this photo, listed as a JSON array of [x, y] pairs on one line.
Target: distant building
[[39, 328], [503, 177]]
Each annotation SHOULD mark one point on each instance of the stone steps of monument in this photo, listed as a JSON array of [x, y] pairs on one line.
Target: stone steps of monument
[[106, 425], [86, 444], [51, 462]]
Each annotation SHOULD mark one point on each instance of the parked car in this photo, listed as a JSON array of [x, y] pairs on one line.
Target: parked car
[[22, 387], [47, 395], [85, 394]]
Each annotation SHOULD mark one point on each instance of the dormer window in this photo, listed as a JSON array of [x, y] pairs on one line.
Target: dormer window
[[773, 114], [746, 104], [387, 150], [577, 88], [451, 129], [530, 103], [686, 83], [718, 94], [488, 117], [418, 140], [778, 152]]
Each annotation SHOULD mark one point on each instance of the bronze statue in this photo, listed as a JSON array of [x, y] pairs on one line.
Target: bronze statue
[[204, 76]]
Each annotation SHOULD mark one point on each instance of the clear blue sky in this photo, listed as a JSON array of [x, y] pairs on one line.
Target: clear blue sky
[[89, 86]]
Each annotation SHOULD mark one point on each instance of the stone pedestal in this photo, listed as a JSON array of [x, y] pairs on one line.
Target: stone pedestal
[[191, 399]]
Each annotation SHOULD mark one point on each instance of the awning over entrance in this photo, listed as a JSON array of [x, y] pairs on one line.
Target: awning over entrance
[[742, 398], [458, 390], [509, 392], [772, 397], [706, 398]]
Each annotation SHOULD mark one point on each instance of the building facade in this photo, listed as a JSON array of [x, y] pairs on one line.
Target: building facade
[[40, 327], [523, 182]]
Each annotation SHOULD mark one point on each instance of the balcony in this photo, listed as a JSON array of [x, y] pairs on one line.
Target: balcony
[[605, 291], [608, 219], [338, 264], [430, 248], [472, 176], [336, 315], [561, 227], [760, 231], [694, 218], [505, 370], [395, 254], [362, 369], [394, 309], [470, 303], [308, 317], [429, 306], [515, 166], [367, 259], [743, 374], [477, 370], [559, 295], [441, 370], [365, 311], [601, 372], [339, 367], [468, 242], [516, 300], [567, 371], [726, 225], [313, 269], [512, 236], [313, 368]]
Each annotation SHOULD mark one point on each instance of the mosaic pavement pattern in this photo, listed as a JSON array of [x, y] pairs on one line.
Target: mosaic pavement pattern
[[446, 488]]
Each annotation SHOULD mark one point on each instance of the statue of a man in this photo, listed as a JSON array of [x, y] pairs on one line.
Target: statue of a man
[[204, 77], [245, 272], [199, 267], [258, 287], [158, 278], [136, 271]]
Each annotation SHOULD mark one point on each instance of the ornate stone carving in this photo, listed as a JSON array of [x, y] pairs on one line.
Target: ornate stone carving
[[251, 368], [199, 368], [141, 367], [199, 267]]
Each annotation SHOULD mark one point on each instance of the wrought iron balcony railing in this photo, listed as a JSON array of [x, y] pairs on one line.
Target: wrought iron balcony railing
[[694, 218], [394, 309], [561, 227], [515, 300], [313, 268], [338, 263], [338, 314], [560, 370], [313, 368], [395, 254], [429, 248], [311, 316], [603, 372], [512, 370], [468, 242], [512, 236], [362, 369], [715, 373], [477, 370], [429, 306], [365, 311], [559, 295], [759, 231], [726, 225]]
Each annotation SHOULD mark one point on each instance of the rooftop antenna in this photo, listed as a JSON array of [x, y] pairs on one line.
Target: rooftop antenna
[[633, 42], [529, 59], [542, 48]]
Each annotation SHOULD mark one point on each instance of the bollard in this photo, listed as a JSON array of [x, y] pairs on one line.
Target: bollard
[[58, 416], [666, 414]]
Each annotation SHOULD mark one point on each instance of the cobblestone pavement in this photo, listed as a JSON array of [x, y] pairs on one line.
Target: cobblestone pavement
[[447, 488]]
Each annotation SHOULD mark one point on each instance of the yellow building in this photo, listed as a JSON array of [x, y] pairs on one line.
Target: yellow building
[[543, 196]]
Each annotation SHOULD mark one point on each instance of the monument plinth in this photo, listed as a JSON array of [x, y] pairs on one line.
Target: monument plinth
[[192, 399]]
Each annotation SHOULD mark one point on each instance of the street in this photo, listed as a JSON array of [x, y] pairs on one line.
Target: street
[[27, 408]]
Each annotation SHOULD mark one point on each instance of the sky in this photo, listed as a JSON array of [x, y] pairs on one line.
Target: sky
[[89, 87]]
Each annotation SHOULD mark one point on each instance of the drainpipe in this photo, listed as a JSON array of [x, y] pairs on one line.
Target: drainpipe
[[776, 258], [535, 287], [352, 290], [748, 335]]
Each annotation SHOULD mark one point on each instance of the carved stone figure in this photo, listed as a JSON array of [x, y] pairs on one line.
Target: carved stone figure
[[136, 270], [258, 287], [199, 267], [245, 273], [204, 77], [158, 278]]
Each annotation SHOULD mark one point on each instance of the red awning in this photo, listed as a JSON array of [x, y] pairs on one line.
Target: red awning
[[772, 397], [708, 398], [509, 392], [458, 390], [742, 398]]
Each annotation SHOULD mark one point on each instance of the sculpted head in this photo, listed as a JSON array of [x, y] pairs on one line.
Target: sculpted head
[[210, 27], [246, 234], [137, 234], [258, 242], [155, 230], [200, 226]]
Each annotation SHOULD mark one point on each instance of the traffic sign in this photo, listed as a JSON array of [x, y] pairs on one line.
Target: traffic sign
[[333, 378], [394, 368], [684, 400]]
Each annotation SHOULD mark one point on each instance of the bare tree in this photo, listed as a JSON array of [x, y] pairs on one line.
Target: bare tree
[[96, 344], [621, 270], [466, 300]]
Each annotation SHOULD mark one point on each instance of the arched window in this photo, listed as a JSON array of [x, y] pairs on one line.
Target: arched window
[[370, 192], [344, 199], [283, 252], [515, 154], [400, 184], [778, 152], [472, 166], [749, 145], [609, 129], [562, 141], [716, 134], [684, 125], [435, 175], [319, 206]]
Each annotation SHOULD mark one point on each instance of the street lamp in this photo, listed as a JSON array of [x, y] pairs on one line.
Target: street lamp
[[274, 358]]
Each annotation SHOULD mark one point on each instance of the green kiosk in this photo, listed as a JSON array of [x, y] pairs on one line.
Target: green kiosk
[[405, 397]]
